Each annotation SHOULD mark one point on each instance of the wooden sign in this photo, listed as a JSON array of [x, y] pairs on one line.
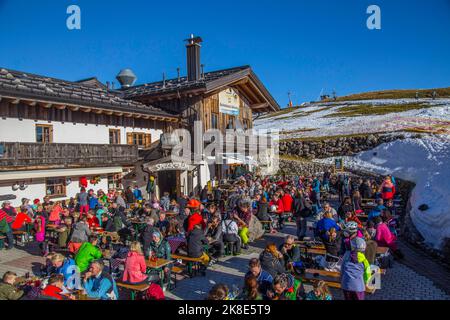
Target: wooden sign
[[5, 197]]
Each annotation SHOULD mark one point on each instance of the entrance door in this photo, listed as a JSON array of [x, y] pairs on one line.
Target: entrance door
[[167, 182]]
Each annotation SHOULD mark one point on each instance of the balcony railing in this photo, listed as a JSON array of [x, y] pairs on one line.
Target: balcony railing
[[17, 154]]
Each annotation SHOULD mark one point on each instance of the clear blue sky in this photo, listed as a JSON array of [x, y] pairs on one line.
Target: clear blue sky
[[299, 45]]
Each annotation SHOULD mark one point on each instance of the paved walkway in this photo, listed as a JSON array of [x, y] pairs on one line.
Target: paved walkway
[[418, 278]]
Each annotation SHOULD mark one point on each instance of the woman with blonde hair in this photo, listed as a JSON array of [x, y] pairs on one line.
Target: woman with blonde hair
[[320, 292], [135, 266]]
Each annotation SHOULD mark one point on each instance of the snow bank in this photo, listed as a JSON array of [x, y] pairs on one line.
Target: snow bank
[[426, 162]]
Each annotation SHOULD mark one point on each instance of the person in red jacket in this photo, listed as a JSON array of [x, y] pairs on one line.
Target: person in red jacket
[[21, 220], [387, 189], [92, 220], [195, 217], [287, 202], [54, 288]]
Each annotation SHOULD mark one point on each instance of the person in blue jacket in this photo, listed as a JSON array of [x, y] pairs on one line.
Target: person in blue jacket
[[264, 278], [377, 211], [99, 284], [325, 224], [137, 193], [67, 267]]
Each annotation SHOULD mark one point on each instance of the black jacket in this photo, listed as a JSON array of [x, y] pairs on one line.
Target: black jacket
[[291, 255], [271, 264], [302, 207], [263, 211], [196, 241]]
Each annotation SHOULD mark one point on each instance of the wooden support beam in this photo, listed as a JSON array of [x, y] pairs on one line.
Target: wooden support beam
[[98, 111], [74, 108], [31, 103], [61, 107], [86, 110], [45, 105], [15, 101]]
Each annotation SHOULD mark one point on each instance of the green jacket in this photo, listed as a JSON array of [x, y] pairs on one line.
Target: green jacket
[[161, 250], [9, 292], [86, 254]]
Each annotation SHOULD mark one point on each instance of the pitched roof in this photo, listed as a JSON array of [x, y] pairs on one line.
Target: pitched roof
[[210, 82], [175, 84], [30, 86]]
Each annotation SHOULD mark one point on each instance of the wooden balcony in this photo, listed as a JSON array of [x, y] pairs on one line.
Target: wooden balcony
[[22, 156]]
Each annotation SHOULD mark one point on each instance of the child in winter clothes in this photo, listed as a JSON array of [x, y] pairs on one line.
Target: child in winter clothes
[[355, 271]]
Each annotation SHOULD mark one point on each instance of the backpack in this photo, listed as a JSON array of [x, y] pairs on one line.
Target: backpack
[[4, 226], [154, 292]]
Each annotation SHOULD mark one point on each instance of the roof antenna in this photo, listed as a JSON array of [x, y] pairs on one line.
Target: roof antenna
[[203, 71], [178, 73], [164, 79]]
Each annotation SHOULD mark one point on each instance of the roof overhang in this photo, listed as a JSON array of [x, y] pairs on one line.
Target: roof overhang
[[34, 174]]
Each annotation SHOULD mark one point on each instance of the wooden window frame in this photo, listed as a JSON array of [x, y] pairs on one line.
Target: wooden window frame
[[115, 131], [44, 126], [216, 116], [63, 185], [134, 137]]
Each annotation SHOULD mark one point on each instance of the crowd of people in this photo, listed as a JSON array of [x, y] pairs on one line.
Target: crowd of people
[[220, 220]]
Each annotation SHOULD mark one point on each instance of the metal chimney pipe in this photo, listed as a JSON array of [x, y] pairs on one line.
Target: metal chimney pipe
[[178, 74], [164, 79]]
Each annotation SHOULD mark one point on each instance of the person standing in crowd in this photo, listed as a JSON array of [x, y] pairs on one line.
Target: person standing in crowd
[[83, 201], [387, 189]]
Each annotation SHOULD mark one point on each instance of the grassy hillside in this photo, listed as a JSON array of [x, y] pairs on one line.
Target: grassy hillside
[[396, 94]]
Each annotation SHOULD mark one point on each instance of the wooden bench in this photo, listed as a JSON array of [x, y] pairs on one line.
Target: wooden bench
[[266, 225], [176, 271], [20, 234], [134, 288], [331, 279], [192, 264]]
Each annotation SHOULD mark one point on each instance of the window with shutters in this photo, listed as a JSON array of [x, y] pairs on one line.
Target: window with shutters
[[44, 133], [140, 139]]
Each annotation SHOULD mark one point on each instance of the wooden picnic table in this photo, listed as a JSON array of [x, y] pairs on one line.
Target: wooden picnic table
[[158, 264], [323, 251]]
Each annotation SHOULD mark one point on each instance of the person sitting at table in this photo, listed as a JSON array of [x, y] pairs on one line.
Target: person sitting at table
[[385, 238], [92, 220], [174, 207], [135, 266], [346, 206], [196, 246], [272, 260], [214, 237], [286, 287], [147, 235], [66, 267], [8, 290], [291, 254], [230, 234], [163, 223], [87, 253], [377, 211], [320, 291], [325, 224], [80, 235], [98, 284], [195, 217], [21, 220], [351, 216], [251, 289], [174, 229], [55, 213], [263, 277], [54, 289], [160, 249]]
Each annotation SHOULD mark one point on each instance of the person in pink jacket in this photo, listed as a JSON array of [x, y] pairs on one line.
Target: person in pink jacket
[[55, 214], [384, 236], [135, 266]]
